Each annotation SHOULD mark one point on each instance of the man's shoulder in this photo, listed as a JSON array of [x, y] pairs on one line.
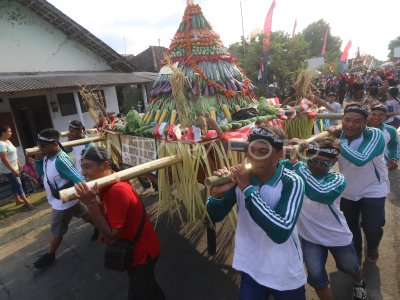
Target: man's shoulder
[[389, 128], [290, 177]]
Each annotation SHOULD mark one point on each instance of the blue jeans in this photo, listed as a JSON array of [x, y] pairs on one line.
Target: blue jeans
[[252, 290], [372, 212], [315, 257], [16, 185]]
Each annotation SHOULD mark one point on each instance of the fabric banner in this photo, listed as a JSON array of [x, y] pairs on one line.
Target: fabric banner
[[324, 46], [267, 26], [294, 28], [345, 52]]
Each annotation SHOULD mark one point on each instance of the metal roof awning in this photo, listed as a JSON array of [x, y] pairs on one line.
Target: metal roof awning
[[33, 82]]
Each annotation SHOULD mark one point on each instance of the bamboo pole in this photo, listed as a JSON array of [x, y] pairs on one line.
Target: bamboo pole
[[219, 180], [295, 150], [330, 116], [88, 131], [36, 150], [127, 174]]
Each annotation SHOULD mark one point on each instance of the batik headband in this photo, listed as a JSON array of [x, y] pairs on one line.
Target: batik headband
[[45, 140], [96, 154], [357, 109], [323, 151], [379, 107], [75, 126], [259, 133]]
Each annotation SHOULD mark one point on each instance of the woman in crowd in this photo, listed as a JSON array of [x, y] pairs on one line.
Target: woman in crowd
[[10, 166]]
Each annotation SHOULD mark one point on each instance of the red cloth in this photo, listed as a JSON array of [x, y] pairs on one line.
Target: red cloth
[[267, 26], [30, 169], [345, 51], [324, 46], [123, 210]]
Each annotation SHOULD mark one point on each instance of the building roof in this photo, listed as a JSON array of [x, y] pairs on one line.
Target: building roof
[[76, 32], [49, 81], [149, 60]]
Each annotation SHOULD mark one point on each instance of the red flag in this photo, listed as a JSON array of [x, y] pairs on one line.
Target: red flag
[[324, 46], [294, 28], [267, 26], [332, 68], [346, 51]]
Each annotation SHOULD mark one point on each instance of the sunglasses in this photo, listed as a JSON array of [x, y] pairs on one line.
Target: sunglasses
[[324, 163]]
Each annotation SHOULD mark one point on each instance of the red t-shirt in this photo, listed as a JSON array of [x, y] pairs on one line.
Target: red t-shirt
[[123, 210]]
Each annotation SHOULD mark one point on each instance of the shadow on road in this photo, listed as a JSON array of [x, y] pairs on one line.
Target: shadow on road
[[184, 270]]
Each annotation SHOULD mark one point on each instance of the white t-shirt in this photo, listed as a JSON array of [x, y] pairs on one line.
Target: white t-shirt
[[11, 156]]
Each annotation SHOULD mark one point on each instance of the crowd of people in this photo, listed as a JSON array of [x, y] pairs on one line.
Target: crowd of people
[[291, 212]]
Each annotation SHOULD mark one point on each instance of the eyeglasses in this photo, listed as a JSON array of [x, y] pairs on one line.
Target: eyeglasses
[[324, 163]]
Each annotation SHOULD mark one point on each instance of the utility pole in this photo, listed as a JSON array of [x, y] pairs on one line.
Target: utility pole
[[125, 44], [243, 41], [159, 45]]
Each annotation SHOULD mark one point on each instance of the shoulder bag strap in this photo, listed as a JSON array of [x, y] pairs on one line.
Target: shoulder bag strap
[[141, 226]]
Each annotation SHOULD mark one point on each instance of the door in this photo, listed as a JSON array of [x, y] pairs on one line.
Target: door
[[31, 115]]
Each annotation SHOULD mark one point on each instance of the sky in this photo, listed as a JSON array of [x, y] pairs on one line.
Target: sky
[[131, 26]]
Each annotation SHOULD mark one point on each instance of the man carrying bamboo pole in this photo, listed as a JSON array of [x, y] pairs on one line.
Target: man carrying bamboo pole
[[377, 119], [269, 199], [121, 215], [76, 131], [321, 225], [362, 162], [58, 172]]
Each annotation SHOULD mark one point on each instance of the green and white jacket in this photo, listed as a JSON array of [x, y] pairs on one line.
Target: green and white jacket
[[362, 162], [392, 145], [321, 221], [59, 170], [266, 242]]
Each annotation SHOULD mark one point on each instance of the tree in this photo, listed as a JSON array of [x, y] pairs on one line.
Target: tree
[[314, 34], [286, 58], [132, 96], [393, 44]]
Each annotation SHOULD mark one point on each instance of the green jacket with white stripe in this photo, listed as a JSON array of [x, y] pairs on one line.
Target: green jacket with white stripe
[[58, 171], [362, 162], [321, 221], [266, 240]]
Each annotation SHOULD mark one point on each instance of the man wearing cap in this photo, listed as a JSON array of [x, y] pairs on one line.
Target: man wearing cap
[[321, 225], [362, 162], [376, 119], [58, 173], [269, 198]]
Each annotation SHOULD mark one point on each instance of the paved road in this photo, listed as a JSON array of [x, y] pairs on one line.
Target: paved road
[[185, 271]]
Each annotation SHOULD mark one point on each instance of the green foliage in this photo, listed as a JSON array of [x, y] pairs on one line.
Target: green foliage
[[393, 44], [314, 34], [132, 97], [133, 121], [286, 58], [9, 209]]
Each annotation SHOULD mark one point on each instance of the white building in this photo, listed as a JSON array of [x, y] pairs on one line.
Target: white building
[[45, 58]]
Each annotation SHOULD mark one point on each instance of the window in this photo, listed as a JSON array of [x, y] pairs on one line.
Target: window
[[98, 95], [67, 104]]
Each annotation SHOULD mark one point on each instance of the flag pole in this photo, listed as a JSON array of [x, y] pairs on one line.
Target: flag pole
[[241, 15], [266, 41]]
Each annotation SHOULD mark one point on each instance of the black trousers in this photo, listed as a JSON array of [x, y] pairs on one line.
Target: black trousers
[[143, 284]]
